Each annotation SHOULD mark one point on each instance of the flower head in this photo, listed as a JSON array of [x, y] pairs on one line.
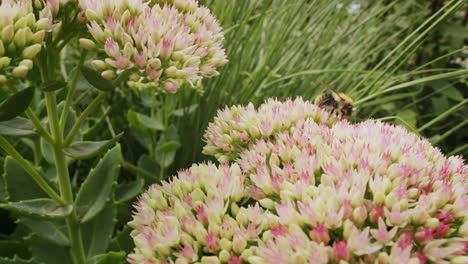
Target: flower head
[[23, 26], [318, 189], [161, 43]]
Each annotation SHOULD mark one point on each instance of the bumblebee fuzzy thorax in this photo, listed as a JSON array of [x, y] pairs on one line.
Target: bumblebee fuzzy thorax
[[339, 104]]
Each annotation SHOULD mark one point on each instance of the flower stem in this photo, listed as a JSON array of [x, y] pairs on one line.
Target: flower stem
[[71, 92], [10, 150], [61, 165], [90, 108], [39, 128]]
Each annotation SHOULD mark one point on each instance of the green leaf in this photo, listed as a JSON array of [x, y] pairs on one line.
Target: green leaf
[[52, 231], [16, 104], [52, 85], [185, 111], [122, 240], [165, 159], [125, 192], [97, 233], [409, 116], [40, 208], [108, 258], [96, 80], [97, 187], [19, 185], [11, 248], [17, 127], [112, 258], [90, 149], [16, 260], [150, 166], [148, 122], [49, 253], [3, 190], [169, 146]]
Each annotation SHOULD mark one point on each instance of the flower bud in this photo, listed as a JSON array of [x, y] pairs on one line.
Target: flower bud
[[21, 23], [27, 63], [4, 62], [7, 33], [108, 75], [3, 79], [224, 256], [459, 260], [432, 222], [38, 37], [91, 15], [267, 203], [20, 71], [360, 215], [31, 51], [87, 44], [225, 244], [210, 260], [43, 24]]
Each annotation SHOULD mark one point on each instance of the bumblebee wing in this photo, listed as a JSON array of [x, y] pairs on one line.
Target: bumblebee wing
[[328, 87], [332, 90]]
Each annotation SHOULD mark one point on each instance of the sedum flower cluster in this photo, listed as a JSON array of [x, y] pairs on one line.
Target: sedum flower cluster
[[162, 43], [23, 25], [296, 186]]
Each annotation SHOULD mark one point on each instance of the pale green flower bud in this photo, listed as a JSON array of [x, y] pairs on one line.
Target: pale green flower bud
[[413, 193], [464, 229], [383, 257], [414, 261], [171, 72], [210, 260], [21, 23], [256, 260], [43, 24], [225, 244], [31, 51], [181, 261], [20, 37], [390, 200], [38, 36], [432, 222], [8, 33], [108, 75], [99, 65], [224, 256], [267, 203], [360, 215], [4, 62], [27, 63], [2, 48], [459, 260], [87, 44], [91, 15]]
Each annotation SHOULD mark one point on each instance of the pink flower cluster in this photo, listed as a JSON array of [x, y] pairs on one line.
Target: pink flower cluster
[[308, 189], [162, 43], [23, 25]]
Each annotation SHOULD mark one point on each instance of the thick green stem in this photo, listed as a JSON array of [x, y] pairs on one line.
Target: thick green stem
[[39, 128], [71, 92], [61, 165], [88, 110], [10, 150]]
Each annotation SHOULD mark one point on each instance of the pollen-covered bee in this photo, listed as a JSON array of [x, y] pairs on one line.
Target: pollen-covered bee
[[339, 104]]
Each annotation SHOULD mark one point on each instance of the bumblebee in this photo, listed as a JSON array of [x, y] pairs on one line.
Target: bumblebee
[[339, 104]]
